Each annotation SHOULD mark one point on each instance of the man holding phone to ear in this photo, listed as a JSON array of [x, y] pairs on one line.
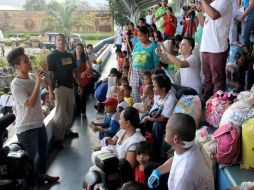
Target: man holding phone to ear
[[214, 43]]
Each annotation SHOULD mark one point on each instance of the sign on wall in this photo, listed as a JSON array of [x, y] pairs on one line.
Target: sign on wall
[[32, 21]]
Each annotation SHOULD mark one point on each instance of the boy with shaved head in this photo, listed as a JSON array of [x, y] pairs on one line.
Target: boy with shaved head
[[188, 167]]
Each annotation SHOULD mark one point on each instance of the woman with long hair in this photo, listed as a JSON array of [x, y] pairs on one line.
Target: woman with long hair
[[86, 74]]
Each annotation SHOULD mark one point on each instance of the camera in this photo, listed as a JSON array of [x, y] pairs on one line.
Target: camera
[[105, 173], [16, 169]]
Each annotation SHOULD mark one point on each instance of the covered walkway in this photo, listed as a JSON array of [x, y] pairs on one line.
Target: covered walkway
[[72, 162]]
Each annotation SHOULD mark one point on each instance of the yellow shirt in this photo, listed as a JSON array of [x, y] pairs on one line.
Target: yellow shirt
[[129, 101]]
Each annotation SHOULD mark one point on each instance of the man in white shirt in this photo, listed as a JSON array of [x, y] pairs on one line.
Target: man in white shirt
[[188, 167], [188, 63], [149, 18], [214, 43]]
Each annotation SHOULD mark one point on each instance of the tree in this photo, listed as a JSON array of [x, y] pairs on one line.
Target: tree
[[35, 5], [118, 13], [61, 17]]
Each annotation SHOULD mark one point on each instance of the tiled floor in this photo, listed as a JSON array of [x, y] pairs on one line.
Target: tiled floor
[[72, 162]]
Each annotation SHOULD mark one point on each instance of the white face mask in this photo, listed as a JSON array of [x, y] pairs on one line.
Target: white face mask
[[151, 39], [188, 144]]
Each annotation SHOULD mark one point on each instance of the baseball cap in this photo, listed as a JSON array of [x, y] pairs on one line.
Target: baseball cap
[[110, 101]]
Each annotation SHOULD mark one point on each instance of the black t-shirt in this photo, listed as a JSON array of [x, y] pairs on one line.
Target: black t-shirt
[[62, 64]]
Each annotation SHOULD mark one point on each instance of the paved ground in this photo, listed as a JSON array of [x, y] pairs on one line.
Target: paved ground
[[72, 163]]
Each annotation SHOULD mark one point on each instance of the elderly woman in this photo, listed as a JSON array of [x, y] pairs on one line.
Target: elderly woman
[[144, 59], [165, 101]]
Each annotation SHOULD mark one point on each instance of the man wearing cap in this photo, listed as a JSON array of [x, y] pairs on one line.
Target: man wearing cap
[[214, 43], [110, 126]]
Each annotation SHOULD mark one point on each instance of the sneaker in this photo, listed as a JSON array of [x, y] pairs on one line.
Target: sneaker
[[72, 134], [58, 144], [48, 178]]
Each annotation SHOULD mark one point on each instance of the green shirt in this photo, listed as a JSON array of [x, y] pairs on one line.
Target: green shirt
[[160, 11]]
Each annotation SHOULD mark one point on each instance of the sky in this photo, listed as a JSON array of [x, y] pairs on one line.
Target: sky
[[20, 3]]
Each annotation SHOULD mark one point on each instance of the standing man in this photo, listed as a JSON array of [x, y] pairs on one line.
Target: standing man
[[62, 68], [160, 14], [248, 18], [214, 43]]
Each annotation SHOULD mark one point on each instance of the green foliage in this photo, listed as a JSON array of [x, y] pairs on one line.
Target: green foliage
[[35, 5], [118, 13], [60, 16], [3, 62]]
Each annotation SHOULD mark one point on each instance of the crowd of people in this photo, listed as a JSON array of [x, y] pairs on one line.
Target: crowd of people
[[138, 96]]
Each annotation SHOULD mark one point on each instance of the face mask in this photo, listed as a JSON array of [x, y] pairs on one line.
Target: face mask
[[151, 39], [188, 144]]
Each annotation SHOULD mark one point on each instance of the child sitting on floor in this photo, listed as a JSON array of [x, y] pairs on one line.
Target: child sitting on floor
[[142, 156], [110, 125]]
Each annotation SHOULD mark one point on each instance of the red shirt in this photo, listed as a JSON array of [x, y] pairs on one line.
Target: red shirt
[[140, 176], [169, 29], [120, 63], [194, 26]]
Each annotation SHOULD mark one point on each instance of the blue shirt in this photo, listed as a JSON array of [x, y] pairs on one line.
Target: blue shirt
[[245, 5], [113, 123], [145, 58]]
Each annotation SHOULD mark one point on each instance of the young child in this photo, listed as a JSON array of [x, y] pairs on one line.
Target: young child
[[91, 55], [110, 126], [124, 81], [6, 100], [120, 59], [125, 70], [120, 99], [147, 101], [29, 127], [112, 80], [147, 81], [127, 95], [142, 156], [126, 59]]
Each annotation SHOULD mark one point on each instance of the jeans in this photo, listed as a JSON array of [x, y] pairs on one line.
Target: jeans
[[247, 26], [35, 142]]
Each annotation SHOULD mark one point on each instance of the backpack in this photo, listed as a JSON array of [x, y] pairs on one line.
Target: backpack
[[226, 144], [215, 107], [247, 144]]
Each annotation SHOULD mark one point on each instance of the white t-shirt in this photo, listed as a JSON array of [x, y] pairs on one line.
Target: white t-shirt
[[6, 100], [216, 32], [168, 103], [149, 19], [111, 84], [190, 171], [119, 37], [129, 144], [26, 118], [190, 76]]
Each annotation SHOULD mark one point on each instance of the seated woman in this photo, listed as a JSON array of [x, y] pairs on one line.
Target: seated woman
[[188, 63], [123, 144], [165, 100]]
